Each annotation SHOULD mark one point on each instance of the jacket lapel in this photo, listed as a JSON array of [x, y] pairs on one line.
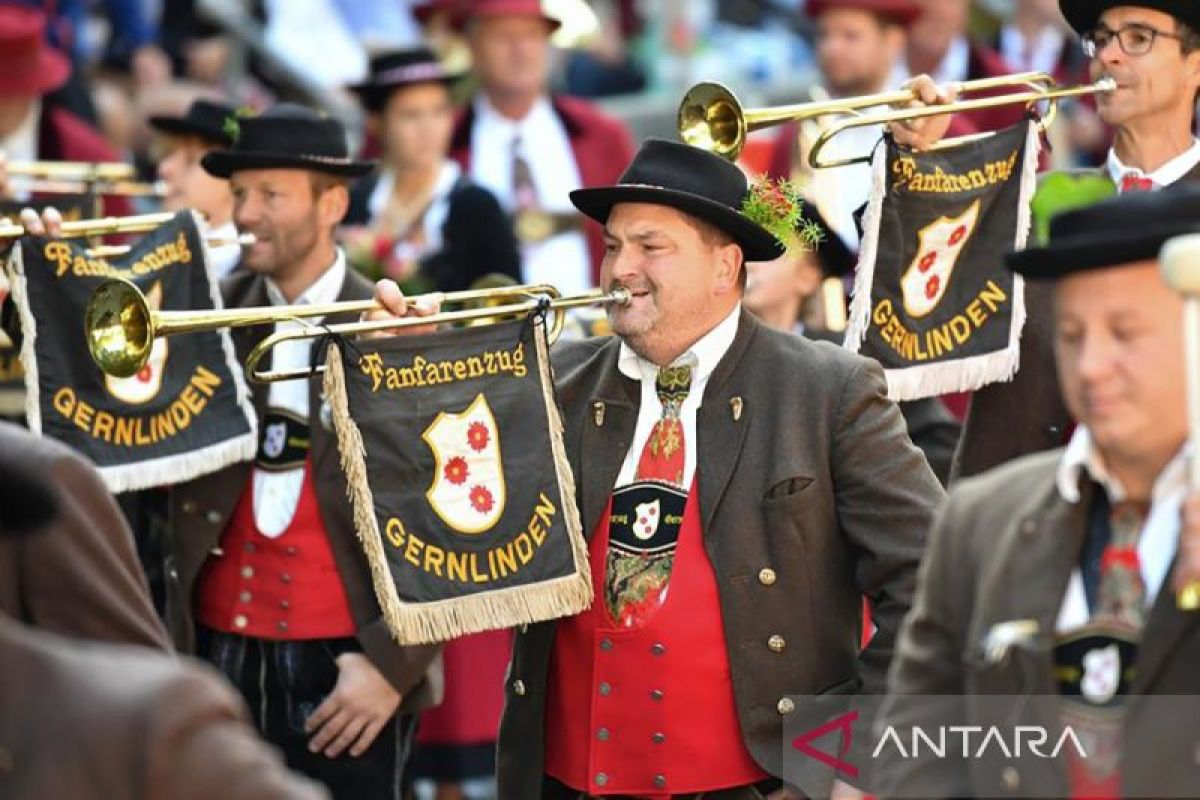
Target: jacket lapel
[[608, 425], [721, 424], [1166, 629]]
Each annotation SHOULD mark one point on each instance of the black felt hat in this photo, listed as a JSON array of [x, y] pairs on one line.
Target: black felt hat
[[1120, 230], [694, 181], [1083, 15], [396, 69], [287, 136], [204, 118]]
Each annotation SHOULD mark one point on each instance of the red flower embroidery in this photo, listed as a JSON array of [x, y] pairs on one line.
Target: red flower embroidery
[[958, 235], [478, 436], [931, 287], [456, 470], [481, 499]]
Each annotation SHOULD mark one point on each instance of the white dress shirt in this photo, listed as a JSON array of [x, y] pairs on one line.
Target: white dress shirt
[[435, 215], [276, 494], [708, 350], [1165, 175], [561, 260], [22, 145], [222, 258], [1042, 55], [1160, 536]]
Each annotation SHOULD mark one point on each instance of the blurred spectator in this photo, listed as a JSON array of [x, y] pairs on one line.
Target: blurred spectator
[[182, 141], [31, 127], [603, 66], [940, 46], [421, 221], [532, 149], [859, 44]]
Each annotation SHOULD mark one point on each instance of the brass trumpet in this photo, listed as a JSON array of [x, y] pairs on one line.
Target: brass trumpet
[[711, 117], [121, 327], [138, 223], [79, 177]]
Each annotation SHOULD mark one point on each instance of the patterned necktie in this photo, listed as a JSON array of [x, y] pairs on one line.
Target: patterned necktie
[[663, 456], [1122, 592], [1136, 183], [524, 192]]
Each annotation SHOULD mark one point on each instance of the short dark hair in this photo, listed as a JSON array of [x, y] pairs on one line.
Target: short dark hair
[[714, 237], [1189, 38]]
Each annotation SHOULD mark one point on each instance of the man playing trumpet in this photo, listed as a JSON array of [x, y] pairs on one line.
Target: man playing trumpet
[[786, 473]]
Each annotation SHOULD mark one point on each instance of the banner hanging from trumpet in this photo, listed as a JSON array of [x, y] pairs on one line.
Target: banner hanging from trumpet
[[933, 302], [185, 413], [462, 494]]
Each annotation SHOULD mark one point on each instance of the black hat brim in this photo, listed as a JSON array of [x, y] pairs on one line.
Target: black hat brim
[[1082, 15], [223, 163], [1096, 251], [756, 242], [177, 126]]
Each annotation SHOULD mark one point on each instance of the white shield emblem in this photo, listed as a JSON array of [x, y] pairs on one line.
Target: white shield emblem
[[144, 386], [924, 282], [647, 520], [274, 439], [1101, 674], [468, 490]]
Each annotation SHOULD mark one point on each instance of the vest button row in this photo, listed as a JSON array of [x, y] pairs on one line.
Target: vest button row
[[606, 644], [247, 572], [603, 734], [776, 643], [245, 597], [658, 738], [660, 781], [605, 689], [518, 687], [656, 694], [766, 576], [282, 625], [658, 648], [240, 621], [601, 779]]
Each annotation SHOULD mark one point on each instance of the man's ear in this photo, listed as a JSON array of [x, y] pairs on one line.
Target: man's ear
[[731, 268], [332, 205]]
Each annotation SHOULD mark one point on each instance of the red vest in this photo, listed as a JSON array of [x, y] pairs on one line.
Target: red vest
[[282, 588], [647, 711]]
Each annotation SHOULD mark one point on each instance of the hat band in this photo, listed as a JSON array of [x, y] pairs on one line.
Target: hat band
[[411, 74]]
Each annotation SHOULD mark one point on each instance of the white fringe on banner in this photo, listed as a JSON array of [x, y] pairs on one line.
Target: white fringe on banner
[[490, 609], [962, 375], [149, 473]]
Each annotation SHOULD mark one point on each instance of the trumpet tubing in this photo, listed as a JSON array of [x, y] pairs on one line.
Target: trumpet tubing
[[711, 116], [82, 171], [139, 223], [120, 326]]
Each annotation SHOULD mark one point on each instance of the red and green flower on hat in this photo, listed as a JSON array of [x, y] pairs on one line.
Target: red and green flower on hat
[[777, 207]]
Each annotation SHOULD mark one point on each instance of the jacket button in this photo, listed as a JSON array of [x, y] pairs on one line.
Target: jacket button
[[518, 687], [785, 705], [240, 621], [658, 738], [247, 572], [776, 643], [766, 576], [601, 779], [656, 694], [213, 517], [217, 551], [605, 689], [1010, 778], [603, 734], [660, 781], [658, 648], [189, 506]]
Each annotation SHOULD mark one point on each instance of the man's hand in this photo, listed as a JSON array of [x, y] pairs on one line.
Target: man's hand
[[48, 224], [924, 132], [394, 305], [1187, 563], [355, 711]]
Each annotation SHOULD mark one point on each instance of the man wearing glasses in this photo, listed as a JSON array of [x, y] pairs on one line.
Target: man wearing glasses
[[1152, 51]]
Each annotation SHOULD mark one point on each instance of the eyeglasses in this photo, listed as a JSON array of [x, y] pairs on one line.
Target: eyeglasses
[[1134, 40]]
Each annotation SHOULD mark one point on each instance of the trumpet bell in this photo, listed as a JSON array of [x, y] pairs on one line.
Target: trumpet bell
[[711, 118], [120, 328]]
